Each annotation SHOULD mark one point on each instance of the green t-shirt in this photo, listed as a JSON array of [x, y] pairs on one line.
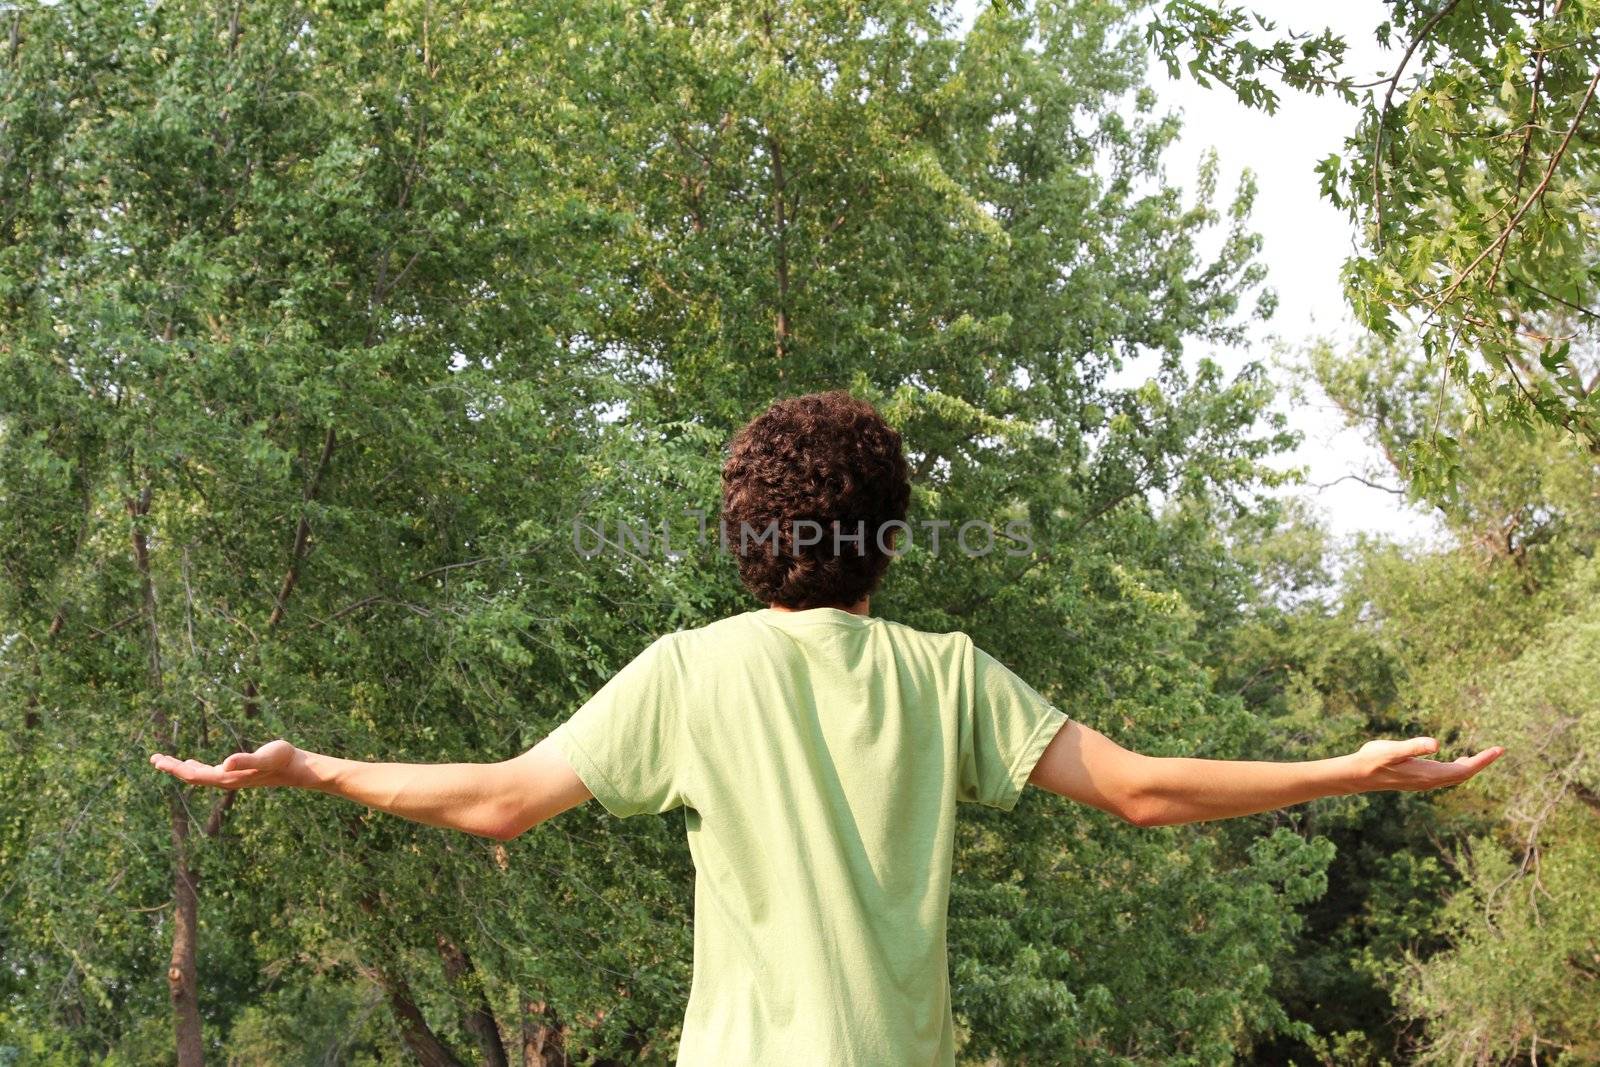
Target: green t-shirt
[[819, 756]]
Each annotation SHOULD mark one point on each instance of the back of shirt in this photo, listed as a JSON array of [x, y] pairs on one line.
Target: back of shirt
[[820, 756]]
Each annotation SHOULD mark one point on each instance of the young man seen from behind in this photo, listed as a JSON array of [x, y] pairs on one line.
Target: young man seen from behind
[[819, 753]]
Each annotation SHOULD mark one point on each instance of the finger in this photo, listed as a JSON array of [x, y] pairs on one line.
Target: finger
[[1398, 752], [165, 763], [1471, 765], [239, 761], [1420, 746], [1428, 773], [1433, 774], [189, 770]]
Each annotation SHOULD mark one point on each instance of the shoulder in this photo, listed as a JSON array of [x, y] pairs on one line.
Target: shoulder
[[946, 639], [709, 632], [944, 654], [689, 644]]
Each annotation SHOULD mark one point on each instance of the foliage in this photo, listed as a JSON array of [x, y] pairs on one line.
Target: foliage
[[1469, 181], [1489, 636], [1524, 969], [324, 322]]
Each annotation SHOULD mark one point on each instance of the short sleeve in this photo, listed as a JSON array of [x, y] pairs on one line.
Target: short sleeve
[[1005, 727], [623, 742]]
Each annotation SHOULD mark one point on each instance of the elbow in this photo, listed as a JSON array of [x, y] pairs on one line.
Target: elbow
[[486, 830], [1147, 798], [1149, 816], [499, 825], [1147, 819], [507, 829], [512, 824], [1143, 809], [1138, 815]]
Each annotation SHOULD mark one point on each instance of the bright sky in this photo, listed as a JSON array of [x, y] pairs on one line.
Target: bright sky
[[1305, 241]]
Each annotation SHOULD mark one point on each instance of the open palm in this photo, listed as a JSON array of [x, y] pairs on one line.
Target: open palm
[[1401, 764], [273, 763]]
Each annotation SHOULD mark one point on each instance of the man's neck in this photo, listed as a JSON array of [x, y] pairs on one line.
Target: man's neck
[[860, 607]]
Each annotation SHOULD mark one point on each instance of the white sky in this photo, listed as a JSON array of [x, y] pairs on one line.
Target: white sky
[[1305, 240]]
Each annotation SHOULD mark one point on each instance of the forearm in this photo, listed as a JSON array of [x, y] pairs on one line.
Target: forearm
[[1177, 790], [456, 796], [1087, 766]]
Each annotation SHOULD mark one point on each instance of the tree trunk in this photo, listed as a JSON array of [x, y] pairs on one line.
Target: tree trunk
[[183, 978], [781, 212], [418, 1036], [780, 229], [182, 970], [477, 1018], [543, 1037]]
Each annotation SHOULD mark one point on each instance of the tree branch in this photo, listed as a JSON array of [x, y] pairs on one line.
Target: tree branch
[[1363, 481], [1383, 117], [1533, 198], [302, 533]]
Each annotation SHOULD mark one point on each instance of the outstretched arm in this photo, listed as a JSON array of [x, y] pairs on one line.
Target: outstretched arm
[[1087, 766], [498, 800]]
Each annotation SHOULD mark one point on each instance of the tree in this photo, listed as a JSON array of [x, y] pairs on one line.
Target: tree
[[1469, 180], [1487, 634], [272, 337], [324, 324]]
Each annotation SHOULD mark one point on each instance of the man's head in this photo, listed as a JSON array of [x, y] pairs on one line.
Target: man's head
[[824, 474]]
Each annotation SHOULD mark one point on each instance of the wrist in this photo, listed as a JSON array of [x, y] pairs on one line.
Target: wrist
[[1349, 775], [309, 770]]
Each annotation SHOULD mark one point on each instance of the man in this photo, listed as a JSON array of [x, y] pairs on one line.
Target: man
[[820, 753]]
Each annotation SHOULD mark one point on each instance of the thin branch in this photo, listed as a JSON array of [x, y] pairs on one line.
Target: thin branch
[[1533, 198], [302, 533], [1363, 481], [1569, 305], [1383, 117]]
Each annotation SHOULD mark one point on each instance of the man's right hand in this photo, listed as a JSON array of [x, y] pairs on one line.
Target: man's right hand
[[274, 763], [1083, 764], [1384, 764]]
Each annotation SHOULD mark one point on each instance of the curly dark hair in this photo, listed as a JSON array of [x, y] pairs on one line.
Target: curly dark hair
[[809, 493]]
